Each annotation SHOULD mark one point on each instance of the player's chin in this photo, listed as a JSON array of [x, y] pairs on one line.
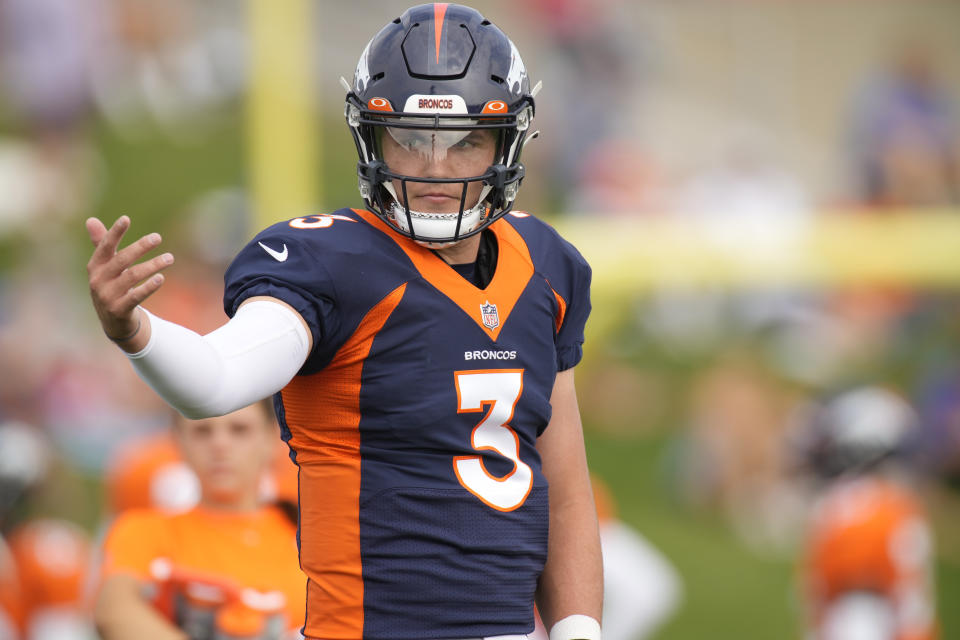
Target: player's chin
[[436, 245], [223, 485], [435, 204]]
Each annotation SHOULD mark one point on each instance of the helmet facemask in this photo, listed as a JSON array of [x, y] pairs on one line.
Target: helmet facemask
[[445, 143]]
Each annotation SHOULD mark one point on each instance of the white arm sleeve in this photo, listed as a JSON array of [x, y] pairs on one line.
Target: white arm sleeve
[[252, 356]]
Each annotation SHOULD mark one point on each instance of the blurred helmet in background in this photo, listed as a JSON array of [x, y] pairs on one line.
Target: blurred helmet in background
[[24, 462], [856, 430]]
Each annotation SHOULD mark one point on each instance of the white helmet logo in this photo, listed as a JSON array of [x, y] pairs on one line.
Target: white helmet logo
[[517, 71], [362, 75]]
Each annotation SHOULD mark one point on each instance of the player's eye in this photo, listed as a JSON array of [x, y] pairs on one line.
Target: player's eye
[[477, 139], [239, 428]]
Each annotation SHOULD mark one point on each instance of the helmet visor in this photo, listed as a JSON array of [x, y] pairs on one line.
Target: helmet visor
[[455, 153]]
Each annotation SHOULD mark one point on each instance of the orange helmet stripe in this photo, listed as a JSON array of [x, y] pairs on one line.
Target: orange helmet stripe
[[439, 11]]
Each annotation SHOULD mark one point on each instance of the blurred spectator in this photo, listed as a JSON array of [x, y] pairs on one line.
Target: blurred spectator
[[228, 561], [590, 73], [867, 563], [172, 64], [616, 177], [49, 51], [78, 392], [149, 472], [904, 135], [739, 417], [50, 178], [939, 440], [743, 195]]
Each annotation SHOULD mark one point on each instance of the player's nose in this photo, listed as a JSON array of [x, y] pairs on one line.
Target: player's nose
[[437, 166]]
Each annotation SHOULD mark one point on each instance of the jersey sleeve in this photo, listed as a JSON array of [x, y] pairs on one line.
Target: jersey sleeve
[[575, 293], [282, 266], [133, 542], [569, 276]]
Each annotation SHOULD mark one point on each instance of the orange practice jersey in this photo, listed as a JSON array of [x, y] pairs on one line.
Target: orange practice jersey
[[11, 600], [52, 559], [872, 536], [235, 550]]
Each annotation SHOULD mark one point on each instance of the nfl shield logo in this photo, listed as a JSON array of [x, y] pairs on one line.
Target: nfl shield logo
[[489, 314]]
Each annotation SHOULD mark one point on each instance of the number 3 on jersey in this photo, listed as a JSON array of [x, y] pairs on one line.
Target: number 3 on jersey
[[500, 390]]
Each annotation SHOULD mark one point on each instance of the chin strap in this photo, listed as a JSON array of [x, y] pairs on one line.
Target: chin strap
[[400, 213]]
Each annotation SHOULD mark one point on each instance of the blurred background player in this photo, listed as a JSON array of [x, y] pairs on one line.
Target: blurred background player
[[867, 562], [231, 560], [149, 472], [51, 558], [43, 560]]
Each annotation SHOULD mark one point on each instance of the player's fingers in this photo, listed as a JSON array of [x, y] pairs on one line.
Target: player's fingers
[[111, 239], [96, 230], [138, 294], [130, 254], [111, 295], [106, 247], [143, 270]]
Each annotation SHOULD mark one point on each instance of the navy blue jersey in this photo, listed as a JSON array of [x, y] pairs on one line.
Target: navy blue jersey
[[415, 418]]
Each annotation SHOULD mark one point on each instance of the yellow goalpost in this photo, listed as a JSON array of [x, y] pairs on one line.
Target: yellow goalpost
[[281, 121]]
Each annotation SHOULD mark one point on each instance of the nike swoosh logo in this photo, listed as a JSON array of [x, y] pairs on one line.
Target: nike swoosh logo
[[279, 256]]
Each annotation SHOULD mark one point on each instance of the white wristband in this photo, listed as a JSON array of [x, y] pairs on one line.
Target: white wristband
[[576, 627]]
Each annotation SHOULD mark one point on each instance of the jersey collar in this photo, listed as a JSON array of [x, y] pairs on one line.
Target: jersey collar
[[489, 307]]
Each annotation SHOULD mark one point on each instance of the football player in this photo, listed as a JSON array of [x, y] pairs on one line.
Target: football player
[[52, 559], [867, 565], [420, 352]]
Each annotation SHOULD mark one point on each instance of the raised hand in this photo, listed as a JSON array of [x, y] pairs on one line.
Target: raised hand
[[118, 282]]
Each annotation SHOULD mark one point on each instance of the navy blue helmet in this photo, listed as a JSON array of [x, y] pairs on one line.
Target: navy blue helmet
[[429, 80]]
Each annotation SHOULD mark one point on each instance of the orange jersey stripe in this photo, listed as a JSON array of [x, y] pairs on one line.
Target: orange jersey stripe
[[322, 412], [514, 270], [562, 310]]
